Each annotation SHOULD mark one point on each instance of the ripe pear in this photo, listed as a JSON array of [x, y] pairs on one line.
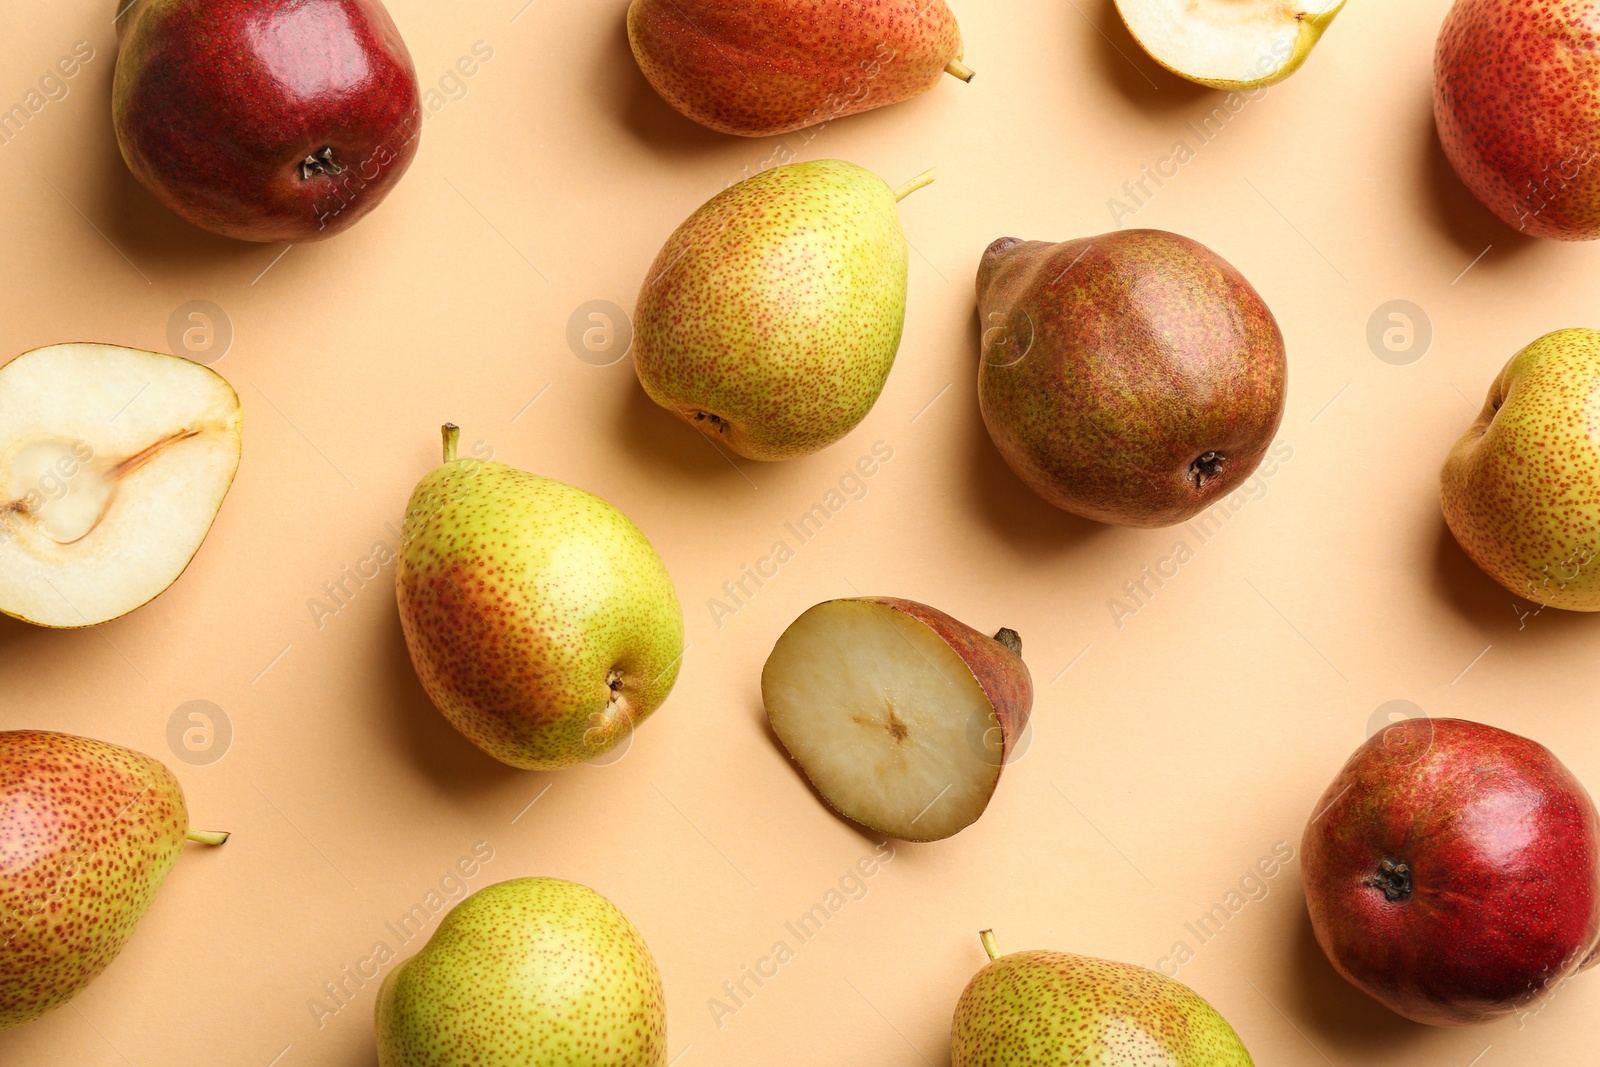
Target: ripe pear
[[1517, 103], [762, 67], [88, 832], [540, 620], [771, 318], [531, 971], [1133, 378], [1229, 44], [1057, 1008], [1521, 488]]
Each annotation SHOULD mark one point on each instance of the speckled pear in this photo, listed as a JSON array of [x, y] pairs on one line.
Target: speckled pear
[[1057, 1008], [1521, 488], [540, 620], [531, 971], [771, 318], [88, 832]]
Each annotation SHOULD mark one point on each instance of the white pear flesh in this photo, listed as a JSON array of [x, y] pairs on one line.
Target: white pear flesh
[[884, 718], [113, 465], [1229, 44]]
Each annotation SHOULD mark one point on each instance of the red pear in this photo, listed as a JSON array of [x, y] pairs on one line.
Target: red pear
[[1451, 871], [1517, 101], [265, 120], [761, 67]]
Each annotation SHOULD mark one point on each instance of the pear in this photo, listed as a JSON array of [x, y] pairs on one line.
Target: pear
[[1057, 1008], [1521, 488], [900, 716], [771, 318], [1133, 378], [113, 465], [761, 67], [1229, 44], [88, 832], [530, 971], [540, 620]]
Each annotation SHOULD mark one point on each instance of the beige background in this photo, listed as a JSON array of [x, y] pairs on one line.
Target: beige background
[[1176, 751]]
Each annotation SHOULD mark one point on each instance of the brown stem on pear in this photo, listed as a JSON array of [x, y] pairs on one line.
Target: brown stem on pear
[[319, 163], [921, 181], [958, 69], [990, 945], [1207, 467], [1011, 639], [452, 437], [208, 837]]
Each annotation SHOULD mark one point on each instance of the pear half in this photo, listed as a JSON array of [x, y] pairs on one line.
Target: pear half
[[1229, 44], [113, 464], [901, 717]]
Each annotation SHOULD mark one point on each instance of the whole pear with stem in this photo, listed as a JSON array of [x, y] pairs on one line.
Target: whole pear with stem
[[770, 320], [1044, 1007], [540, 620], [88, 832]]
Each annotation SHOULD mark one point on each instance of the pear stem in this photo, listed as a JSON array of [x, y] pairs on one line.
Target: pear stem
[[1011, 639], [958, 69], [208, 837], [990, 945], [452, 436], [921, 181]]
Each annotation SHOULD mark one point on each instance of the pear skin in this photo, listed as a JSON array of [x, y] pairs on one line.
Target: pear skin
[[88, 832], [540, 620], [771, 318], [1057, 1008], [1521, 488], [756, 68], [1134, 378], [531, 971]]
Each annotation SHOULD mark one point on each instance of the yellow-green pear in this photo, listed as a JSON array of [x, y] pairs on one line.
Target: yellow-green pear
[[1229, 44], [88, 832], [540, 620], [534, 972], [771, 318], [1057, 1008], [1521, 489]]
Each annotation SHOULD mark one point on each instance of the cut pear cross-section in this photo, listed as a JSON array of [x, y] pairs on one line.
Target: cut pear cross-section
[[901, 717], [113, 464], [1229, 44]]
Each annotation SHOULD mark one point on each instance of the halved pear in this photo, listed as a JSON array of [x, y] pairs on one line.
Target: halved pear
[[1229, 44], [113, 464], [900, 716]]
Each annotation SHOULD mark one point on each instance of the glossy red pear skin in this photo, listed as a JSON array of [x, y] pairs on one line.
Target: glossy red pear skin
[[1500, 840], [760, 67], [999, 672], [88, 830], [1111, 364], [1517, 103], [217, 103]]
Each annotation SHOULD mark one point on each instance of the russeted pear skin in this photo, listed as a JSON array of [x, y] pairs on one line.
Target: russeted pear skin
[[534, 971], [88, 832], [540, 620], [771, 318], [1521, 488], [756, 68], [1053, 1008]]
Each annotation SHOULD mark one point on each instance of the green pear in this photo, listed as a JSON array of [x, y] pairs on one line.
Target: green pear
[[771, 318], [1057, 1008], [540, 620], [535, 971], [88, 832], [1521, 488]]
